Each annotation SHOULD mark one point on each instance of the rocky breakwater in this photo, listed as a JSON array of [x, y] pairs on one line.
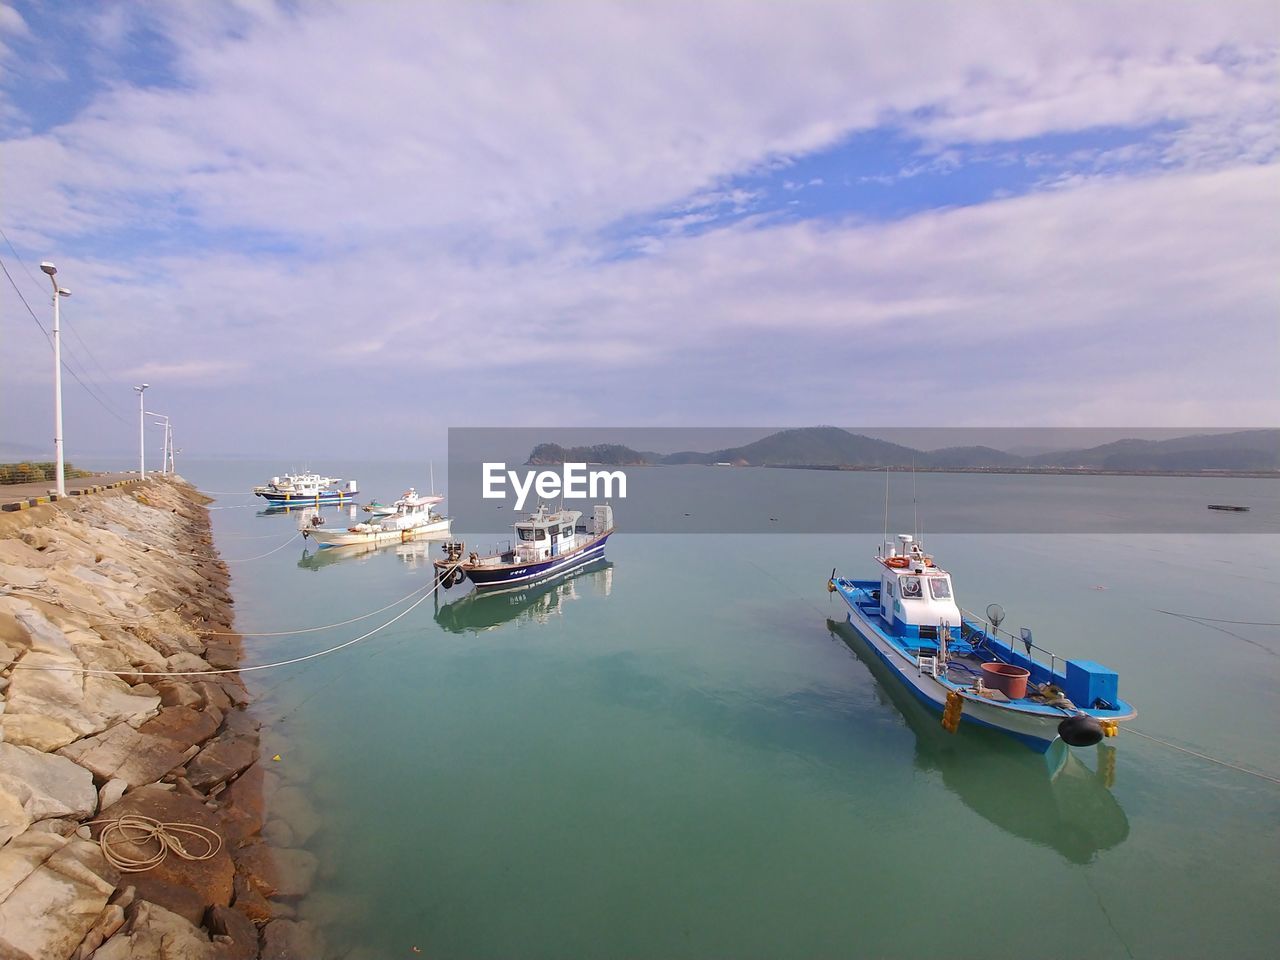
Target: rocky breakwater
[[114, 622]]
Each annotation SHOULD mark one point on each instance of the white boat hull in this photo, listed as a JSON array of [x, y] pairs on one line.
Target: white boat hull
[[339, 537], [1038, 731]]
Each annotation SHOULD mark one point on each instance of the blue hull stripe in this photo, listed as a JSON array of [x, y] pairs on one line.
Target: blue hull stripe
[[318, 498], [506, 576]]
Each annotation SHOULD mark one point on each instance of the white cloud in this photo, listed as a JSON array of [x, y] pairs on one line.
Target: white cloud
[[440, 176], [190, 371]]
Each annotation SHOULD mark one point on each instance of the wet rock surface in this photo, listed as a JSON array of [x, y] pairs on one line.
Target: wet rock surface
[[105, 603]]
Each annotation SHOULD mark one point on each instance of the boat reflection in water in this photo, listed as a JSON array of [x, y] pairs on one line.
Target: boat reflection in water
[[304, 512], [485, 610], [416, 553], [1053, 799]]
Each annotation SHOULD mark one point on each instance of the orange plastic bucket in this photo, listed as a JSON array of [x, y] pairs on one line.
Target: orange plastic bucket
[[1008, 679]]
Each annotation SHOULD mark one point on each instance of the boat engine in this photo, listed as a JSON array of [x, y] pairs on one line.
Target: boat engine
[[1080, 731]]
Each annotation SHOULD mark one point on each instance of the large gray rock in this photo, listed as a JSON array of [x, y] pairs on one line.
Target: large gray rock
[[14, 818], [290, 939], [292, 806], [50, 706], [155, 933], [240, 935], [220, 760], [52, 891], [123, 753], [45, 636], [278, 872], [46, 784]]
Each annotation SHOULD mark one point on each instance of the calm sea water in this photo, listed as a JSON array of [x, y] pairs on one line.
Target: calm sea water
[[681, 752]]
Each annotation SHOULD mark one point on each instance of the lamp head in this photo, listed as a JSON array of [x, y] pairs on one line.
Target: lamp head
[[48, 267], [143, 387], [64, 292]]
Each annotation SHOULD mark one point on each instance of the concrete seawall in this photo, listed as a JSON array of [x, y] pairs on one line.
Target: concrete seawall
[[115, 620]]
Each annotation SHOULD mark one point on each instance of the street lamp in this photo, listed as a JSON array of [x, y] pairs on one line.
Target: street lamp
[[58, 292], [164, 455], [142, 433]]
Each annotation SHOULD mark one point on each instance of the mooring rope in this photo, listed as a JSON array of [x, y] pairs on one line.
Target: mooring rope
[[96, 621], [1244, 623], [140, 830], [1205, 756], [1212, 624], [327, 626], [269, 552], [86, 671]]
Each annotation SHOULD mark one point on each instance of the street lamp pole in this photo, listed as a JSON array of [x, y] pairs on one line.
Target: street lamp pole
[[164, 453], [142, 432], [58, 293]]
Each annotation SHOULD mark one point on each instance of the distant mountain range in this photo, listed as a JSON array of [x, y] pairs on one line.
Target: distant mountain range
[[1247, 451]]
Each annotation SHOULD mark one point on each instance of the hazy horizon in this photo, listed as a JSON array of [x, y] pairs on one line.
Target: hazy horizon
[[354, 226]]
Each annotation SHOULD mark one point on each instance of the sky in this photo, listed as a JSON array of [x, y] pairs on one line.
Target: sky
[[346, 227]]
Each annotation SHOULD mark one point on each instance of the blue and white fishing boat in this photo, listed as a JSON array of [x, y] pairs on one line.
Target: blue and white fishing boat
[[955, 662], [309, 488], [547, 544]]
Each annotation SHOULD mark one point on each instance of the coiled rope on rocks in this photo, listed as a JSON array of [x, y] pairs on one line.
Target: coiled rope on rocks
[[140, 831]]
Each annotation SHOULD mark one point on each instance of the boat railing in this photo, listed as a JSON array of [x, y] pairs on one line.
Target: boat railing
[[989, 629]]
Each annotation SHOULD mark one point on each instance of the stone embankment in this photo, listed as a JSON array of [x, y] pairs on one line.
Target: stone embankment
[[114, 618]]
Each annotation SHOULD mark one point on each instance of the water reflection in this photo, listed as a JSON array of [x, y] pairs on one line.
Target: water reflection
[[416, 554], [1053, 799], [304, 514], [477, 611]]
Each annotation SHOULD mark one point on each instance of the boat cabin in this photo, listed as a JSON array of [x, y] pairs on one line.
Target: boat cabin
[[916, 599], [546, 535]]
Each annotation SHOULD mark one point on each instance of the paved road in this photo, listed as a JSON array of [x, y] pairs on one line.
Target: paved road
[[21, 491]]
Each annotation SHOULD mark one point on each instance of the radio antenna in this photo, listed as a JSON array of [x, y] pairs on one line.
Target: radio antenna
[[915, 511], [884, 544]]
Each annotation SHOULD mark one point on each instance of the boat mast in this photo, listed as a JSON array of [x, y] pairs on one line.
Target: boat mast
[[884, 544]]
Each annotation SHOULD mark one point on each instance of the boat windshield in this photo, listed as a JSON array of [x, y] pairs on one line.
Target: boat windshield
[[910, 588], [528, 533], [940, 587]]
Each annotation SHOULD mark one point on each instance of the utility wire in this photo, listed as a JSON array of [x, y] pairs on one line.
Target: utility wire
[[74, 332], [65, 365]]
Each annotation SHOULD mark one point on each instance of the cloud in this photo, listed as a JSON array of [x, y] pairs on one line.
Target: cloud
[[438, 203], [11, 22], [191, 371]]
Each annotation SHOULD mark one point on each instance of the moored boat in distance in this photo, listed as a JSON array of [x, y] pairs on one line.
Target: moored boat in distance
[[413, 517], [547, 544], [956, 663], [309, 488], [1231, 507]]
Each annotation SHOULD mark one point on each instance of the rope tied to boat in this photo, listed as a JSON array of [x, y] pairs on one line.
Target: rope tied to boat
[[269, 552], [140, 832], [102, 672]]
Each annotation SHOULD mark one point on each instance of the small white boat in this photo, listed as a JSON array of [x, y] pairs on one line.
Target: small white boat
[[308, 487], [413, 517]]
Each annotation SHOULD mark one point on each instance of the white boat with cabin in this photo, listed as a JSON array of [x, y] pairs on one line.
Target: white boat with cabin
[[413, 518]]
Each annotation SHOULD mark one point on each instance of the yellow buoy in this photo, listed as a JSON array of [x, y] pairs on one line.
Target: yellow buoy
[[951, 712]]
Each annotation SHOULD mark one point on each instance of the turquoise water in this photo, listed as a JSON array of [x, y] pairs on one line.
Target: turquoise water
[[681, 753]]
